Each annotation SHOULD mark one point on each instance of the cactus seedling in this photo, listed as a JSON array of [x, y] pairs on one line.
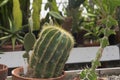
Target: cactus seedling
[[50, 52]]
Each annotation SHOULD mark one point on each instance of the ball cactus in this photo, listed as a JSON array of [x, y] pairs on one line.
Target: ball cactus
[[50, 52]]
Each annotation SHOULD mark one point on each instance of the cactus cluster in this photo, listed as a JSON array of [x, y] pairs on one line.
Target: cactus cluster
[[50, 52]]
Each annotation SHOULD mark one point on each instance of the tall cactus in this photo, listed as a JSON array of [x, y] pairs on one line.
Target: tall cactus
[[50, 52], [36, 14]]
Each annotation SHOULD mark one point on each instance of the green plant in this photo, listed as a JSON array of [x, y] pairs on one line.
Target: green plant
[[74, 19], [25, 8], [10, 36], [36, 6], [53, 14], [50, 52], [51, 5], [5, 13], [74, 11], [2, 3], [14, 21], [106, 11], [12, 32], [93, 32]]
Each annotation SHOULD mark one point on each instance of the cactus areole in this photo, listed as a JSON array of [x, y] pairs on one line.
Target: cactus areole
[[50, 52]]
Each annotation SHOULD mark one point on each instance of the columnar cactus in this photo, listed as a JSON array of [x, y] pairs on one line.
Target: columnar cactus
[[50, 52]]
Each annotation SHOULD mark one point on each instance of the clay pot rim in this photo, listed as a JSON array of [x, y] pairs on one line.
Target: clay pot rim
[[10, 46], [5, 68], [27, 78]]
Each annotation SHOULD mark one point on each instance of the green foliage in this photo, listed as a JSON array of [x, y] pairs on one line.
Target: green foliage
[[104, 42], [56, 15], [50, 52], [51, 5], [17, 15], [107, 7], [93, 31], [2, 3], [11, 32], [29, 41], [25, 8], [106, 11], [90, 75], [36, 14], [5, 14], [90, 25], [74, 11], [11, 35]]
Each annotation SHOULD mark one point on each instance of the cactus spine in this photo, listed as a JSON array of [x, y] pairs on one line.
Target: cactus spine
[[50, 52]]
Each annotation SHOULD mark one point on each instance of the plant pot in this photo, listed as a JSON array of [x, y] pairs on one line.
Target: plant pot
[[9, 47], [89, 43], [3, 72], [16, 76]]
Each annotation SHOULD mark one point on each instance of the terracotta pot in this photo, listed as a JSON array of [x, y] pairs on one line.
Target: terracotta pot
[[7, 48], [3, 72], [16, 76], [89, 44]]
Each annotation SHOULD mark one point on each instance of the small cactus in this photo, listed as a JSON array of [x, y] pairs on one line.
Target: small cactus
[[50, 52], [29, 41]]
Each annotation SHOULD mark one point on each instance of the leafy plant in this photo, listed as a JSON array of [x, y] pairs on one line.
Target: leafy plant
[[93, 32], [5, 13], [2, 3], [15, 25], [53, 14], [107, 21], [10, 36], [51, 5], [25, 8]]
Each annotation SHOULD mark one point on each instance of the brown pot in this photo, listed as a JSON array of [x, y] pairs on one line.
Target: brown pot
[[16, 76], [8, 47], [3, 72], [89, 44]]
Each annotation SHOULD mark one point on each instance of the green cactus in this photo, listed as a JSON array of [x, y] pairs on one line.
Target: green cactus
[[29, 40], [50, 52], [36, 14]]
